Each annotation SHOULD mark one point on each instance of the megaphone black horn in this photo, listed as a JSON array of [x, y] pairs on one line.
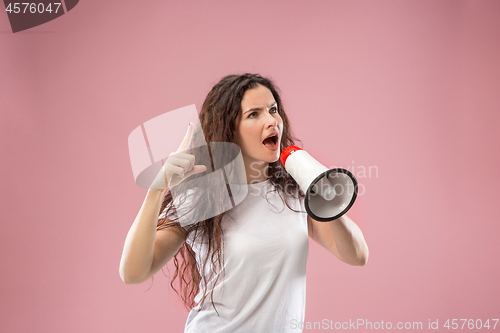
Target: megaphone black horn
[[330, 193]]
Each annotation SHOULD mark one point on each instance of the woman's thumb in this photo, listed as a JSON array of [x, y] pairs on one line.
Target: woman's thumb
[[196, 169]]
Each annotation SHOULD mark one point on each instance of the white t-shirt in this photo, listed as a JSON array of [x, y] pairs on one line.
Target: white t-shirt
[[263, 288]]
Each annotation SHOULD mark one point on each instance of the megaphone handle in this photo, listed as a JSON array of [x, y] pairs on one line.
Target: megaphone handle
[[326, 189]]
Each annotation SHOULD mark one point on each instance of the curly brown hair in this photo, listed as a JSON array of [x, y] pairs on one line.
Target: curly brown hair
[[218, 118]]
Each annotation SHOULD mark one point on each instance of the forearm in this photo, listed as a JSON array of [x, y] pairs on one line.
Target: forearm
[[349, 241], [138, 251]]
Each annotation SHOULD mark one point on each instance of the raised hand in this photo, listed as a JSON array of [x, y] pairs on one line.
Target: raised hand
[[179, 165]]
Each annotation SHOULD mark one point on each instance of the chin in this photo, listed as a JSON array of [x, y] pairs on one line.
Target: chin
[[265, 157], [272, 159], [275, 159]]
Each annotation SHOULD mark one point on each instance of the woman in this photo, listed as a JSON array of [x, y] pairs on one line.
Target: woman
[[250, 261]]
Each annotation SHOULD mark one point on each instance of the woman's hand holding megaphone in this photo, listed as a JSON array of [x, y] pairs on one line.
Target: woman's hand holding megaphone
[[180, 165]]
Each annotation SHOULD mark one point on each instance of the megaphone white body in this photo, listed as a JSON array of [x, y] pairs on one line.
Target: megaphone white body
[[330, 193]]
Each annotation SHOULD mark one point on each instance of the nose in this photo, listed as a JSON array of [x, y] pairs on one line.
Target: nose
[[271, 121]]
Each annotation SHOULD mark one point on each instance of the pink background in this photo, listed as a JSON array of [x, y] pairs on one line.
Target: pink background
[[409, 87]]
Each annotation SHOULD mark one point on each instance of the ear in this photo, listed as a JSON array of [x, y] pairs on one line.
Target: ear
[[236, 132]]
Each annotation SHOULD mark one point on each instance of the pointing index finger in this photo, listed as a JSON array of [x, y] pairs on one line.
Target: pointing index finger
[[187, 139]]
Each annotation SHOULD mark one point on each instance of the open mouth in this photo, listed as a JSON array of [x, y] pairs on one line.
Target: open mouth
[[271, 142]]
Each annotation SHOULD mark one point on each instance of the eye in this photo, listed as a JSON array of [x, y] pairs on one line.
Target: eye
[[273, 109], [252, 114]]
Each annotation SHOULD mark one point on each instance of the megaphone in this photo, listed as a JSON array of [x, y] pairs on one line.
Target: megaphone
[[330, 193]]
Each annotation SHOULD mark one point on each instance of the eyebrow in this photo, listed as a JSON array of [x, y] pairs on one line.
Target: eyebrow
[[260, 108]]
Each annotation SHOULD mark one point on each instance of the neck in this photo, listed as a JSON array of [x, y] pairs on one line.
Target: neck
[[256, 171]]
